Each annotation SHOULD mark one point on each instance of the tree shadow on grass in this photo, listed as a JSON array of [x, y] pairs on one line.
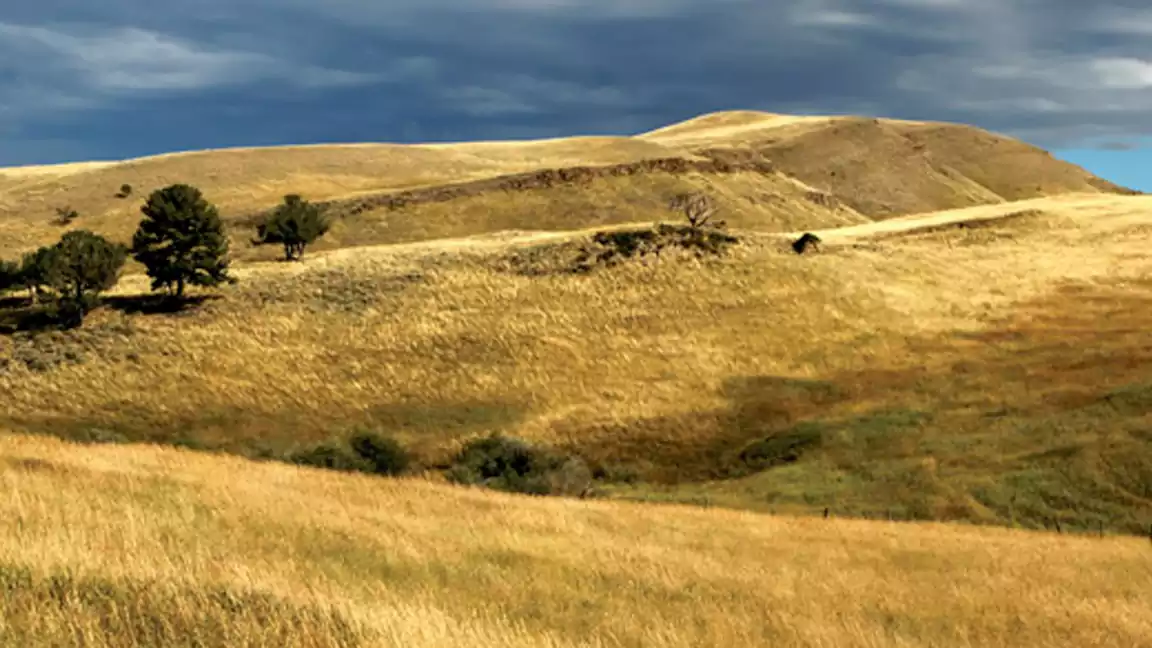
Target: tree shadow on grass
[[708, 445], [21, 315], [157, 304]]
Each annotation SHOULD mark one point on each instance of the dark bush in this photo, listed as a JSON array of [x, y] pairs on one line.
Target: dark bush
[[806, 242], [9, 276], [125, 191], [367, 452], [507, 464], [330, 456], [384, 455]]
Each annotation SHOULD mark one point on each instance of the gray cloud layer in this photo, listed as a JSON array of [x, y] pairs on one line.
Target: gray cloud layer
[[125, 77]]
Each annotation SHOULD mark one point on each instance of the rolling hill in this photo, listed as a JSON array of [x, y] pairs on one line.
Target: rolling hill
[[969, 345], [770, 173]]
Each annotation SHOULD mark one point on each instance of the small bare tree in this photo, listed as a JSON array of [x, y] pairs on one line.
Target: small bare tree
[[696, 207], [65, 216]]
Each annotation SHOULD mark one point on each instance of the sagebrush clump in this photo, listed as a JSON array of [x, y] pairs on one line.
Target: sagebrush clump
[[513, 465], [367, 452]]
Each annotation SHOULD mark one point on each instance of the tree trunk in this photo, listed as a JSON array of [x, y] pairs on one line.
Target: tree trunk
[[180, 288]]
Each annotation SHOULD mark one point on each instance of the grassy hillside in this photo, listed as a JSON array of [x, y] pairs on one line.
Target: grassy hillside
[[828, 171], [985, 363], [885, 168], [137, 546], [747, 200], [952, 373], [244, 180]]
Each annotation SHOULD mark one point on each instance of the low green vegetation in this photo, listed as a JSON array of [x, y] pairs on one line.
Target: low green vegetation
[[496, 462], [512, 465], [367, 452]]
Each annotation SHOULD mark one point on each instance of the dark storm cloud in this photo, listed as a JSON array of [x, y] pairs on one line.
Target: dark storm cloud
[[127, 77]]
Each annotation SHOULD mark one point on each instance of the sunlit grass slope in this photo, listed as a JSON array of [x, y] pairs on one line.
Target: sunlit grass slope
[[992, 373], [827, 171], [138, 546]]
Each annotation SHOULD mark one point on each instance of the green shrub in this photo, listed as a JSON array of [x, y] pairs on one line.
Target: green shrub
[[366, 452], [612, 247], [384, 455], [330, 456], [513, 465]]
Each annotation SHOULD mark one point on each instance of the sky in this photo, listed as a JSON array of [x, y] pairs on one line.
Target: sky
[[84, 80]]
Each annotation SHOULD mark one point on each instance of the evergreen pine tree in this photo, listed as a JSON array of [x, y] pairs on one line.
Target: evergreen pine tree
[[181, 240]]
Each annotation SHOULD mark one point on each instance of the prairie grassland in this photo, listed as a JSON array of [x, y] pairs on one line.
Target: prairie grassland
[[871, 168], [141, 546], [982, 374], [748, 201], [240, 181]]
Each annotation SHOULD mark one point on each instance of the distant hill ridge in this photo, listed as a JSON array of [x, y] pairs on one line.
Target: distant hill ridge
[[764, 169]]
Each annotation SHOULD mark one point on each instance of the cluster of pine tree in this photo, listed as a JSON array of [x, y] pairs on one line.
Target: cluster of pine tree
[[181, 241]]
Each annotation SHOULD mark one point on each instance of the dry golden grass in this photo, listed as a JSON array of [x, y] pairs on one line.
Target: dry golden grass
[[240, 181], [872, 169], [134, 545], [749, 201], [994, 373], [646, 366]]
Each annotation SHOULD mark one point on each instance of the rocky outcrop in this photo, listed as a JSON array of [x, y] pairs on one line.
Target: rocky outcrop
[[545, 179]]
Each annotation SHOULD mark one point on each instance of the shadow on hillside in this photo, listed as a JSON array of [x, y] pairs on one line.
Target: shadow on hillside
[[21, 315], [156, 304], [1039, 419], [707, 445], [273, 433]]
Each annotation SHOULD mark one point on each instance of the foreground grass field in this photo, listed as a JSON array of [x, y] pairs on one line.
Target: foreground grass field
[[140, 546]]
